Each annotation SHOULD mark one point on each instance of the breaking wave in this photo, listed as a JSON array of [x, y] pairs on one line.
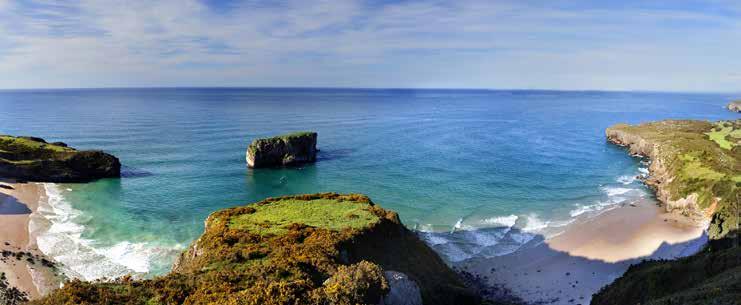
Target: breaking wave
[[59, 235]]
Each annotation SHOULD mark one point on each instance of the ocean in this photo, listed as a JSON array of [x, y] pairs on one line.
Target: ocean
[[462, 167]]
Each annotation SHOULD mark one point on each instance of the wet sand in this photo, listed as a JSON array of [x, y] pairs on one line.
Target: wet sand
[[589, 254]]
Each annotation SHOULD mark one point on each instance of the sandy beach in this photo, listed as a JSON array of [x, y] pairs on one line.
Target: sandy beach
[[589, 254], [24, 266]]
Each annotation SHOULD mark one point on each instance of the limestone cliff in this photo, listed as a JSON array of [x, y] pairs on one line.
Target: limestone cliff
[[695, 166], [696, 169], [31, 158], [307, 249], [289, 149]]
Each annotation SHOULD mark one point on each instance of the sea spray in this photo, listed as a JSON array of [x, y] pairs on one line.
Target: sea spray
[[59, 232]]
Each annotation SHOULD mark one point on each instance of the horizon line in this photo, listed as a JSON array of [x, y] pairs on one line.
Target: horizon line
[[368, 88]]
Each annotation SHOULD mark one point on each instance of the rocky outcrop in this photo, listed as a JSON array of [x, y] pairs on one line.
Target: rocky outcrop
[[659, 176], [33, 159], [289, 149], [694, 166], [734, 106], [307, 249]]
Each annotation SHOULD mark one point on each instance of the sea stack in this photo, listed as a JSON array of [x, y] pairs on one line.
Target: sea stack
[[734, 106], [33, 159], [288, 149]]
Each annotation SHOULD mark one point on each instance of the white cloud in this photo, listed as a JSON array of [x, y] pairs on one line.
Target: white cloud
[[466, 43]]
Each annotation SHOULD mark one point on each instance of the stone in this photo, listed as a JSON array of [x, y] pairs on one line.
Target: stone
[[284, 150]]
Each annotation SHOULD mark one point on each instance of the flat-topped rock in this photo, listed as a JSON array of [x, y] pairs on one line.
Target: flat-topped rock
[[33, 159], [317, 249], [734, 106], [289, 149]]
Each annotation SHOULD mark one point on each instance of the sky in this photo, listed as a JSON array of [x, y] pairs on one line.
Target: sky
[[564, 45]]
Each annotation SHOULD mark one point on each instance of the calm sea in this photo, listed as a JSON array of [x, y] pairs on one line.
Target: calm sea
[[446, 160]]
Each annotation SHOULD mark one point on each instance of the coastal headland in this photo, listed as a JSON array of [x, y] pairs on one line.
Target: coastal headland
[[312, 249]]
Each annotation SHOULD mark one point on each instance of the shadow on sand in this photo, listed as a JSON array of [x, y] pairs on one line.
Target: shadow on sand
[[533, 272], [9, 205]]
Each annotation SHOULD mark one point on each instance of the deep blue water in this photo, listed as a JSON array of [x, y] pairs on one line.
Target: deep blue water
[[440, 158]]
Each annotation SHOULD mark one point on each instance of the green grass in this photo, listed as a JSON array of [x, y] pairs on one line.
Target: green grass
[[321, 213], [693, 168], [703, 158], [26, 144], [296, 134], [720, 133]]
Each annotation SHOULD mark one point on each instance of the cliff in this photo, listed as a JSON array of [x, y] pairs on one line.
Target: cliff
[[695, 169], [307, 249], [734, 106], [288, 149], [695, 166], [30, 158]]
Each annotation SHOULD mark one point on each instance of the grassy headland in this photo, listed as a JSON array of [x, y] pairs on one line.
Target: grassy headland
[[696, 166], [307, 249], [30, 158]]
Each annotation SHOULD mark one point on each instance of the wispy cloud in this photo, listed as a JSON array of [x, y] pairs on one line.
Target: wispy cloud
[[651, 45]]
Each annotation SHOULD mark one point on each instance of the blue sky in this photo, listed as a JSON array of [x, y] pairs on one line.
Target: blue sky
[[582, 45]]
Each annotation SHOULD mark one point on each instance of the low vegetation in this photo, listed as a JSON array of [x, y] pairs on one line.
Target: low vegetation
[[308, 249], [30, 158], [703, 158], [712, 276]]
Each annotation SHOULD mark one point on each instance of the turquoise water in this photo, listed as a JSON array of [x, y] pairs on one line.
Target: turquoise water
[[446, 160]]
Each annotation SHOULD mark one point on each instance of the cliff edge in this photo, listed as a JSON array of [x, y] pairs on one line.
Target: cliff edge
[[695, 166], [289, 149], [308, 249], [695, 169], [31, 158]]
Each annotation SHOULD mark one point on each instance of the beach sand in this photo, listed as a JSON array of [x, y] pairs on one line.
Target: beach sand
[[21, 260], [589, 254]]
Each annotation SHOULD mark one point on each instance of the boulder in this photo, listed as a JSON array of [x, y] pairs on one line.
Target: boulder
[[33, 159], [289, 149]]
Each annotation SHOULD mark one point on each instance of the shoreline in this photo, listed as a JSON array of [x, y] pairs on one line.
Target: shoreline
[[590, 253], [24, 265]]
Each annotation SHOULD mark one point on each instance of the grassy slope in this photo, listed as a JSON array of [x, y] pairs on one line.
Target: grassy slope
[[16, 149], [706, 159], [271, 252]]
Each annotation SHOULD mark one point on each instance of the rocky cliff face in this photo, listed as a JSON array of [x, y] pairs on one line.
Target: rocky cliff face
[[734, 106], [30, 158], [289, 149], [307, 249], [695, 166]]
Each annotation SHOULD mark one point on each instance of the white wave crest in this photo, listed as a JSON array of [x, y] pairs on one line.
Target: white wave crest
[[616, 191], [59, 236], [626, 179], [534, 224], [501, 221]]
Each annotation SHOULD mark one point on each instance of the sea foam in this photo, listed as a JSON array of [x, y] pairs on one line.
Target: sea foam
[[60, 236]]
